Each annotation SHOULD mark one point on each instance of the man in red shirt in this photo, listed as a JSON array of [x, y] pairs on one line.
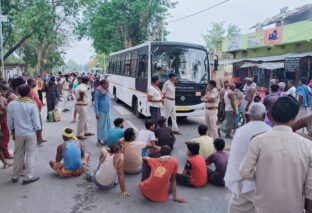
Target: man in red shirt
[[195, 170], [157, 174]]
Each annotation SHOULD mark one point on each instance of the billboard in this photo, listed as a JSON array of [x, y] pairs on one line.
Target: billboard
[[272, 36], [255, 40]]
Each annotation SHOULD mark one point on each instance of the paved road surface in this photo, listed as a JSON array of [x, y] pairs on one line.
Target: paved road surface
[[75, 195]]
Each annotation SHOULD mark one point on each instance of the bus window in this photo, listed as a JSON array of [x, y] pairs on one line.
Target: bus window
[[142, 72], [128, 64], [117, 70], [134, 63], [122, 65]]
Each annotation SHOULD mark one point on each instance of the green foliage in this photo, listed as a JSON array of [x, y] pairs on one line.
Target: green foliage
[[120, 24], [218, 32]]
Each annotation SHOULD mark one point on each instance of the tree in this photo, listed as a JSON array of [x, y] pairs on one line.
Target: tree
[[120, 24], [218, 32]]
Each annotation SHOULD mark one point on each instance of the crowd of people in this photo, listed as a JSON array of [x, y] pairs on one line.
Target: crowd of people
[[268, 168]]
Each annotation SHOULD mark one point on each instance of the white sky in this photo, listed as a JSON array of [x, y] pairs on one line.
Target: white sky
[[244, 13]]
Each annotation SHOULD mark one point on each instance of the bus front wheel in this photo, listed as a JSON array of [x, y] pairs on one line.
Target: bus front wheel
[[135, 106], [115, 96]]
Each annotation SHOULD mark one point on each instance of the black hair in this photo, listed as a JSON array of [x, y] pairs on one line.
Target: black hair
[[274, 87], [4, 87], [202, 129], [149, 123], [52, 79], [304, 80], [24, 90], [30, 81], [67, 131], [159, 68], [219, 144], [129, 134], [165, 150], [285, 109], [291, 81], [84, 80], [161, 121], [193, 148], [16, 82], [155, 79], [118, 121], [116, 146], [213, 83]]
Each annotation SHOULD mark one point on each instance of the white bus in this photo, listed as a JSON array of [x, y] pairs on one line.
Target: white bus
[[130, 73]]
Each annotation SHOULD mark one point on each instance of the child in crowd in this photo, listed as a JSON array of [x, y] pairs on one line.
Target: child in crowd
[[195, 170], [115, 134], [220, 159], [205, 142], [164, 134], [148, 136]]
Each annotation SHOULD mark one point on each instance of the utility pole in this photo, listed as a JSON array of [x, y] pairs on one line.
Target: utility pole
[[2, 19]]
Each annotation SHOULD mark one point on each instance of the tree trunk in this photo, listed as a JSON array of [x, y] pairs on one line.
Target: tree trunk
[[40, 58]]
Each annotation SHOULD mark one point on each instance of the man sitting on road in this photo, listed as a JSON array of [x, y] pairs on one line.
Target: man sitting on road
[[115, 134], [132, 152], [195, 170], [157, 175], [205, 142], [220, 160], [164, 134], [148, 137], [73, 156]]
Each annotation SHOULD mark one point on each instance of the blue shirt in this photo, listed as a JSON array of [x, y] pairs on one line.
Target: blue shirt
[[114, 135], [23, 117], [101, 102], [72, 156]]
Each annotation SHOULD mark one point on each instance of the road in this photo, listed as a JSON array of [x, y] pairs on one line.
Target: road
[[76, 195]]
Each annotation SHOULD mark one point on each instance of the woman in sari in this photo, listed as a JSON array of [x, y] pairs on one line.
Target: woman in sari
[[101, 109]]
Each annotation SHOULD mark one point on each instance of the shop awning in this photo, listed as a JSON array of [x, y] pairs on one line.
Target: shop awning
[[275, 58], [271, 65], [248, 64]]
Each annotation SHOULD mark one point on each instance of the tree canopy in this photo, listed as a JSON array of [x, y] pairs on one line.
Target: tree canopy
[[120, 24], [218, 32]]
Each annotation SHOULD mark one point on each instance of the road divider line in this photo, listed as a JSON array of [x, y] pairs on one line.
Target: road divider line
[[132, 125]]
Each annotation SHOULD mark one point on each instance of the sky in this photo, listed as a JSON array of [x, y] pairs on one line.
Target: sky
[[244, 13]]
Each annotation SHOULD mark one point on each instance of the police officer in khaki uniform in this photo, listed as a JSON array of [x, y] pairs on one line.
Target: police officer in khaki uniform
[[169, 102], [212, 99]]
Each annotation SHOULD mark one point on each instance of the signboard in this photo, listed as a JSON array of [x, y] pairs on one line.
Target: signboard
[[254, 40], [292, 64], [235, 43], [272, 36]]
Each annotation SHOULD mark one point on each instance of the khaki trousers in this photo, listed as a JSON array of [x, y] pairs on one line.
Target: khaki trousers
[[170, 111], [65, 98], [242, 203], [24, 145], [211, 122], [83, 124]]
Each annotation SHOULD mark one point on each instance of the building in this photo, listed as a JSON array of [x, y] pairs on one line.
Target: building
[[280, 49], [14, 70]]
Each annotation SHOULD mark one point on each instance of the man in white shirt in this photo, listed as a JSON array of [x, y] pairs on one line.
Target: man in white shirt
[[243, 190], [65, 90], [280, 163], [291, 88], [155, 98], [169, 102]]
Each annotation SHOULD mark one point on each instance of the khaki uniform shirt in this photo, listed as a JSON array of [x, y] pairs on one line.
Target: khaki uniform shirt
[[280, 162], [84, 89], [169, 89], [214, 93]]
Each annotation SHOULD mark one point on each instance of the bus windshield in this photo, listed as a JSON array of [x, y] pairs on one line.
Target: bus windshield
[[190, 64]]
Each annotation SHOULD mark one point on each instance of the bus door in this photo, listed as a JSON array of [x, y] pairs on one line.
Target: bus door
[[141, 80]]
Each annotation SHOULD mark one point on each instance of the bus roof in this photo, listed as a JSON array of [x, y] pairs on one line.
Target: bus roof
[[165, 43]]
